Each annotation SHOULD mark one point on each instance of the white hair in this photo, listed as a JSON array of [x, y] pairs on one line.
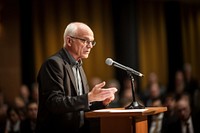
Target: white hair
[[70, 30]]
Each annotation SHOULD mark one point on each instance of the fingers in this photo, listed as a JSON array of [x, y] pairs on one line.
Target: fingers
[[108, 100], [107, 93], [112, 90], [99, 93], [100, 85]]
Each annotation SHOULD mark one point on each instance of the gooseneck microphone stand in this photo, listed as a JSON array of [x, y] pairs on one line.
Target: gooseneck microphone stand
[[135, 104]]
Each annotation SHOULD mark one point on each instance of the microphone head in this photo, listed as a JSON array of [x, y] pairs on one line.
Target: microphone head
[[109, 61]]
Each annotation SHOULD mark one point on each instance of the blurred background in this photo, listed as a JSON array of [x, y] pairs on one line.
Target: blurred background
[[150, 36]]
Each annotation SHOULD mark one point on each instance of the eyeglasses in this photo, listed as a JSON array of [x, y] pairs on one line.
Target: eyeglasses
[[85, 41]]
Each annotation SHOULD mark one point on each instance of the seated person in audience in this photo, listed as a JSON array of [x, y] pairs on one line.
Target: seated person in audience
[[126, 96], [153, 79], [154, 93], [34, 92], [13, 121], [28, 125], [114, 83], [170, 116], [188, 122], [20, 105], [156, 121], [24, 93], [179, 83], [191, 84]]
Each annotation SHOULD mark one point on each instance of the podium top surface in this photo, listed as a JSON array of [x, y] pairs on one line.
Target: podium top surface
[[118, 112]]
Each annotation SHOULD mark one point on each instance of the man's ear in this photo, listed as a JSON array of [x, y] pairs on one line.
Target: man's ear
[[69, 41]]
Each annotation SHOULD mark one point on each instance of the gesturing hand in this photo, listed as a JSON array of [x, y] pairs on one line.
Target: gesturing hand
[[100, 94], [108, 100]]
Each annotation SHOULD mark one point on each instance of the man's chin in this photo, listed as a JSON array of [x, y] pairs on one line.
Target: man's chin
[[85, 56]]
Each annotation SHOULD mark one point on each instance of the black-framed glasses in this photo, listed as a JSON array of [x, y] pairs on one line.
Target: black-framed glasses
[[85, 41]]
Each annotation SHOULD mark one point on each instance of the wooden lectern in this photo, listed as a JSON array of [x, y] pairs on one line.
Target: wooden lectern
[[120, 120]]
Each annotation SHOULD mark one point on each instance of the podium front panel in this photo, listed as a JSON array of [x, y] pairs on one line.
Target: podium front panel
[[123, 121]]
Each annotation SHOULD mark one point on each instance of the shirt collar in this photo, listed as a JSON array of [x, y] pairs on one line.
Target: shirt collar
[[187, 121], [72, 61]]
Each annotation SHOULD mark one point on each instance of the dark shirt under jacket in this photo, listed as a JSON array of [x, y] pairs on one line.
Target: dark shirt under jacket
[[59, 103]]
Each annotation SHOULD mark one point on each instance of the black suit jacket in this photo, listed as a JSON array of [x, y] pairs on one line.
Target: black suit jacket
[[59, 104]]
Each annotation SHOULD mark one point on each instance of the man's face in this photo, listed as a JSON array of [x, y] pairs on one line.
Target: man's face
[[170, 103], [82, 49], [154, 90], [81, 44], [14, 117], [32, 111], [183, 109]]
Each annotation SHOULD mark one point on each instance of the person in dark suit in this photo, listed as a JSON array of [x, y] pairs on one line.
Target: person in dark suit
[[188, 122], [63, 88], [170, 116], [156, 122], [28, 125]]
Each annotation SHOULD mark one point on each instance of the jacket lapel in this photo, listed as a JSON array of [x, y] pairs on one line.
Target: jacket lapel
[[71, 75], [69, 70]]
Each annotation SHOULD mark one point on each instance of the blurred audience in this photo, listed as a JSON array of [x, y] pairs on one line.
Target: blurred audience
[[13, 121], [170, 102], [20, 114], [155, 122], [28, 125], [188, 122], [191, 83], [24, 93], [20, 105], [34, 92], [94, 80], [154, 93], [179, 83], [153, 79], [126, 96], [21, 101], [170, 116]]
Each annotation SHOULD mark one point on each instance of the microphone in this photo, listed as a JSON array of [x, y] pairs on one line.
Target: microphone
[[110, 62]]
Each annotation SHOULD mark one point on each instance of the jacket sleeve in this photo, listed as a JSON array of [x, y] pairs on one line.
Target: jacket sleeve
[[97, 105]]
